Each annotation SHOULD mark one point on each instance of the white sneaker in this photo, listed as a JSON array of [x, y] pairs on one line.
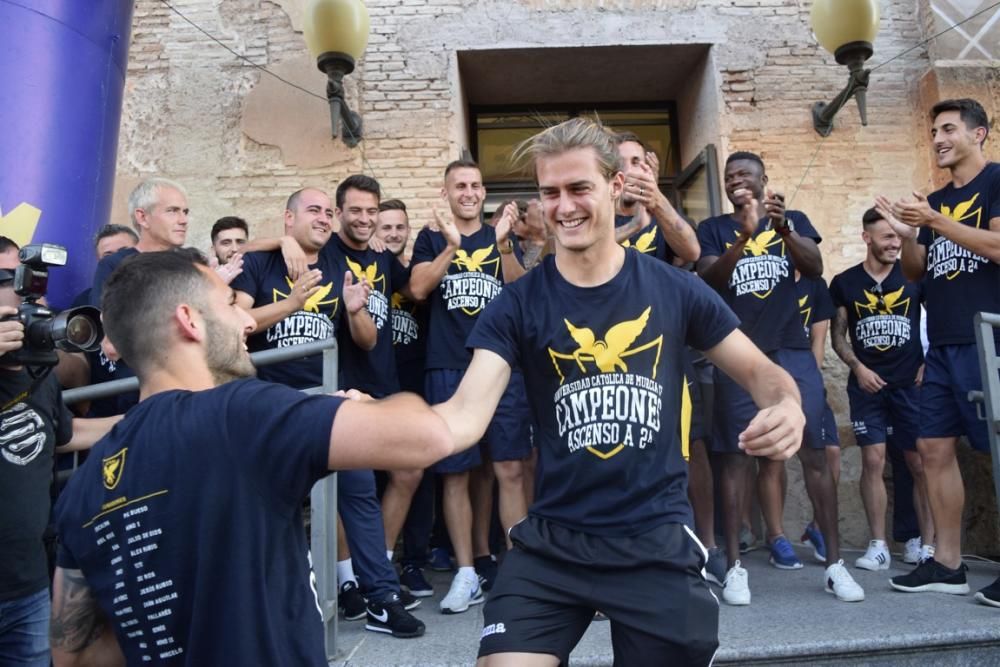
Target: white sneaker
[[464, 591], [926, 552], [840, 582], [876, 558], [911, 551], [736, 587]]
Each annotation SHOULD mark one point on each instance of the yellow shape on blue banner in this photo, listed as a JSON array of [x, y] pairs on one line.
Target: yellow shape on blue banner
[[19, 225]]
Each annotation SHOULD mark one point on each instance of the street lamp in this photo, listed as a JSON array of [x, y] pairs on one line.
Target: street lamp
[[845, 28], [336, 33]]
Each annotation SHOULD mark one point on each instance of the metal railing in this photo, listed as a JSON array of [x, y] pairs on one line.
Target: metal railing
[[323, 497], [989, 398]]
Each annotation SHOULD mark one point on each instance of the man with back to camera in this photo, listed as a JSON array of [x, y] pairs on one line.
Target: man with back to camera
[[951, 238], [752, 263], [880, 310], [209, 459], [592, 321]]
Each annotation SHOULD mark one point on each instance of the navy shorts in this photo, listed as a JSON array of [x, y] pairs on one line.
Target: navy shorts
[[650, 586], [508, 437], [950, 373], [889, 413], [734, 408], [697, 428], [830, 435]]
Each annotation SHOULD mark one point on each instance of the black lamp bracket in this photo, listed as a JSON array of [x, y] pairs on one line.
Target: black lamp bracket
[[854, 55], [336, 66]]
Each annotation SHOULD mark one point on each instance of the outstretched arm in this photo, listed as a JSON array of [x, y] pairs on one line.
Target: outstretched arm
[[776, 431], [470, 410], [79, 632], [86, 432]]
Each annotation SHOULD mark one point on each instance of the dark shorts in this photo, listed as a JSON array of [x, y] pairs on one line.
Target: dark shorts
[[650, 586], [830, 435], [892, 413], [734, 408], [508, 437], [950, 373], [697, 428]]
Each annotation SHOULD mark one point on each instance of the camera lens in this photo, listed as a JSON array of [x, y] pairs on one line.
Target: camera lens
[[80, 331]]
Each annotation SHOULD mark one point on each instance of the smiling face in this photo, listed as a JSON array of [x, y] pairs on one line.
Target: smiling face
[[357, 217], [578, 201], [746, 175], [393, 228], [953, 140], [226, 329], [882, 241], [228, 242], [464, 191], [311, 223]]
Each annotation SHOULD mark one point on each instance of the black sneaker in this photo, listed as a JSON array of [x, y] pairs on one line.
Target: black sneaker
[[932, 576], [414, 581], [391, 618], [409, 601], [991, 594], [351, 601], [486, 568]]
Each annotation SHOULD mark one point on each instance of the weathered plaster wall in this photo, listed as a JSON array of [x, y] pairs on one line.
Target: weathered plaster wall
[[241, 140]]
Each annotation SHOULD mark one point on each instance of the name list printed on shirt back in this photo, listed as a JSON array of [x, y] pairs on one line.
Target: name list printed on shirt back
[[155, 593]]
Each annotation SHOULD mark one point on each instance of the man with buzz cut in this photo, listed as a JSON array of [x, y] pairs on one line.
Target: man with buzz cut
[[751, 261], [459, 270], [951, 240], [879, 310], [599, 332]]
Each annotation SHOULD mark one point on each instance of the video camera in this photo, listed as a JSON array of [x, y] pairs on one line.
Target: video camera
[[73, 330]]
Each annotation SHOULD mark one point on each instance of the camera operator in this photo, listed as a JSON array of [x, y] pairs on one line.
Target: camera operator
[[34, 422]]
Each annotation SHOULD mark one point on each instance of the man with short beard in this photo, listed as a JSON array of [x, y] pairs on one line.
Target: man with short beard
[[182, 538], [880, 310]]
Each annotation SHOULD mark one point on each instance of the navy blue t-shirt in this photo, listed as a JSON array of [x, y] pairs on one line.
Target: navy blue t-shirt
[[186, 522], [474, 279], [959, 283], [815, 304], [409, 341], [104, 269], [265, 278], [603, 370], [648, 240], [373, 372], [883, 321], [762, 288]]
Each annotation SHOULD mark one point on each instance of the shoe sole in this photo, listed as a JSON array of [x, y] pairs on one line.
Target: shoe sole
[[418, 593], [819, 558], [471, 603], [796, 566], [736, 603], [355, 617], [982, 599], [843, 599], [952, 589], [875, 567], [390, 631], [911, 562], [413, 605]]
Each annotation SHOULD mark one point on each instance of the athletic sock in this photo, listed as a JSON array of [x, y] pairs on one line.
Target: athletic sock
[[345, 572], [388, 554]]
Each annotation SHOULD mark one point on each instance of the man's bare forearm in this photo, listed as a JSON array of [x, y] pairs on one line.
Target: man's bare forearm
[[805, 254], [426, 276], [719, 271], [913, 259], [363, 330], [838, 339], [678, 234]]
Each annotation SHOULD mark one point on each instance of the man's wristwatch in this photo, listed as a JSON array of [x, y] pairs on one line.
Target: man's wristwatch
[[506, 248], [786, 228]]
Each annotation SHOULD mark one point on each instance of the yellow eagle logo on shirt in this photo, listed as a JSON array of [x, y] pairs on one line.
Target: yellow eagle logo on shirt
[[368, 273], [474, 262], [645, 243], [960, 214], [877, 304], [313, 303], [805, 312], [112, 469]]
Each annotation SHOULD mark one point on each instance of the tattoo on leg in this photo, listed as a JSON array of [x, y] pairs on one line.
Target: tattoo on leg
[[77, 621]]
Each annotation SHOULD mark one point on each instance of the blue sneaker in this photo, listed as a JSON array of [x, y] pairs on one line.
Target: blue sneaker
[[414, 581], [441, 560], [783, 555], [811, 537]]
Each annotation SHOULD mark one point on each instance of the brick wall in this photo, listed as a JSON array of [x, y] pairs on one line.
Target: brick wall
[[195, 112]]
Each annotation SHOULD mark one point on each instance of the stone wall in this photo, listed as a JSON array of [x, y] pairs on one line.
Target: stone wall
[[242, 140]]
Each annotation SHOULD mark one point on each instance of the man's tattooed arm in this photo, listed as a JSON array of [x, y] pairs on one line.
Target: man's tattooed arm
[[79, 632]]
